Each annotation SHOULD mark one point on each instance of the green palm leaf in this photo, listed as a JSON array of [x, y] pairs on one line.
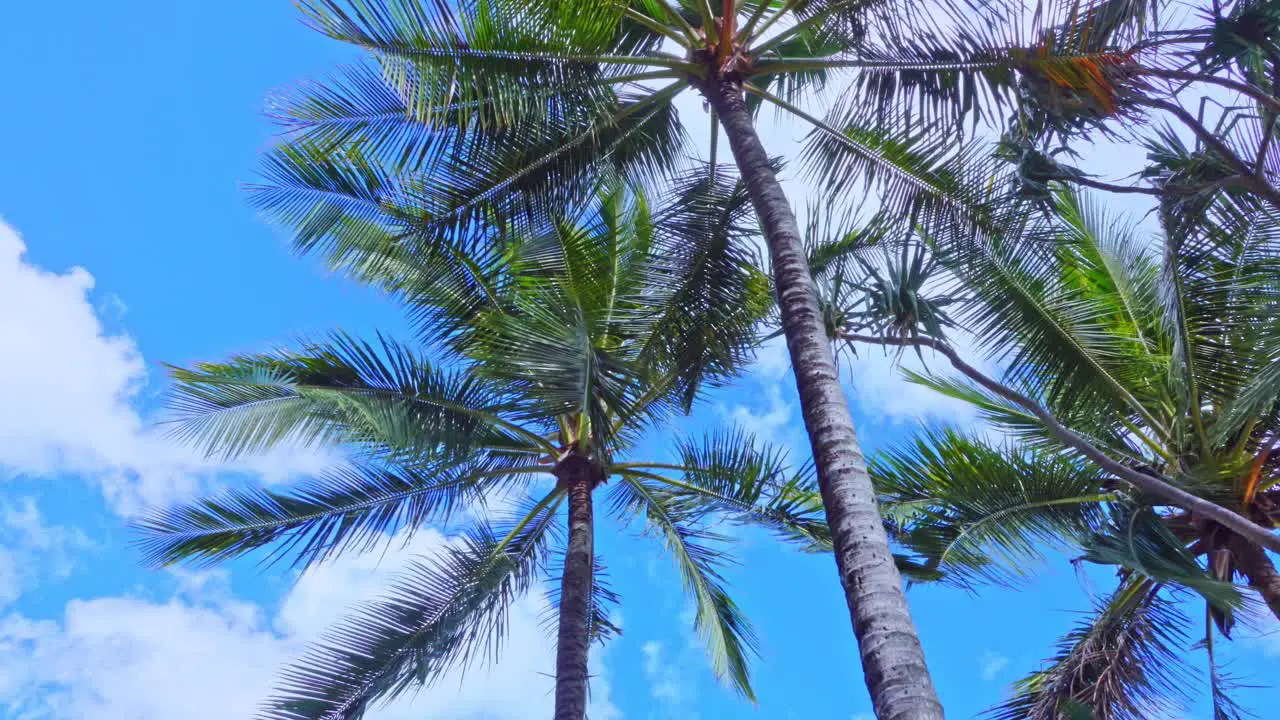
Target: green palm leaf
[[704, 242], [1052, 334], [728, 474], [978, 512], [440, 616], [354, 509], [729, 637], [1135, 539], [1123, 663], [384, 399], [353, 206]]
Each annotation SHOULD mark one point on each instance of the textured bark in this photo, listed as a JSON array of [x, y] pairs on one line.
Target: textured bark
[[578, 476], [1258, 568], [893, 661]]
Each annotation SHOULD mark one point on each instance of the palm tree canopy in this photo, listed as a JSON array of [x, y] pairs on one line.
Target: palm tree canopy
[[1162, 353], [467, 112], [573, 340]]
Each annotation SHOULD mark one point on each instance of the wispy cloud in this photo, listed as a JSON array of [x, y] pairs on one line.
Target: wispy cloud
[[664, 683], [32, 550], [991, 664]]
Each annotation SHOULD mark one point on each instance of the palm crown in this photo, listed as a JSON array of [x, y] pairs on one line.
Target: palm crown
[[519, 108], [551, 360], [1158, 355]]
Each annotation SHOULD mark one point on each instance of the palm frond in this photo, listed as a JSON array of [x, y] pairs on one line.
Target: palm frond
[[916, 172], [977, 512], [1222, 288], [1098, 255], [553, 353], [714, 294], [1025, 428], [438, 29], [442, 615], [1062, 61], [383, 399], [728, 475], [1225, 706], [729, 637], [355, 208], [1137, 540], [1052, 334], [354, 508], [1125, 662]]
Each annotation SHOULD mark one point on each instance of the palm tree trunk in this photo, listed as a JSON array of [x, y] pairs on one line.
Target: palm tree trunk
[[1258, 568], [892, 659], [575, 591]]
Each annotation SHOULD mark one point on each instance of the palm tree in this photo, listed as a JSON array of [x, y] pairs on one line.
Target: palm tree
[[511, 108], [554, 351], [1119, 356]]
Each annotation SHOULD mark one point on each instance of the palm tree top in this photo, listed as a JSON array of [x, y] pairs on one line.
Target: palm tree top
[[554, 355], [497, 109], [1161, 356]]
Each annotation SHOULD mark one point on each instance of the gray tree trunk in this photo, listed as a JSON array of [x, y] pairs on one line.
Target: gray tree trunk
[[892, 659], [574, 640]]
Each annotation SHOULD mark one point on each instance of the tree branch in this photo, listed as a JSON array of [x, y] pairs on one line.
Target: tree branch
[[1109, 187], [1156, 485], [1249, 89], [1268, 132], [1249, 179]]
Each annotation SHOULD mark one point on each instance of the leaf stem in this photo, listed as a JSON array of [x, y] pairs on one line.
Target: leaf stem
[[676, 37], [1156, 485]]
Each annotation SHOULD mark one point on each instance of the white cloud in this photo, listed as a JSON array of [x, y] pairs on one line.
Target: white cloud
[[773, 361], [880, 387], [122, 657], [204, 654], [665, 678], [674, 672], [70, 389], [31, 550], [874, 379], [764, 424], [991, 664]]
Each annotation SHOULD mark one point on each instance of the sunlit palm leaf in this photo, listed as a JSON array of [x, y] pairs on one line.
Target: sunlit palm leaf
[[384, 399], [730, 475], [351, 207]]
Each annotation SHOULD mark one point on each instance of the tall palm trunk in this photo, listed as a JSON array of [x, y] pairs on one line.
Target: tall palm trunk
[[1258, 568], [892, 659], [578, 475]]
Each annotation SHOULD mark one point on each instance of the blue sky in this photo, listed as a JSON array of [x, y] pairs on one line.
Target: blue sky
[[127, 242]]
